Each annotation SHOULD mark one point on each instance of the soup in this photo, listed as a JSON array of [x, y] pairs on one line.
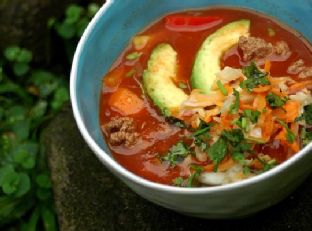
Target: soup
[[208, 97]]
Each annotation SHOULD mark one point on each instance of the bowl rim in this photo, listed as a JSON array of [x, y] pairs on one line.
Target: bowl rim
[[115, 167]]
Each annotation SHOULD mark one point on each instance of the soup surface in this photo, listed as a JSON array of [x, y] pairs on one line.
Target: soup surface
[[208, 97]]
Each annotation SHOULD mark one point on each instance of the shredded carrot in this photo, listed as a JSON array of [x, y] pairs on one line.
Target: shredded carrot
[[225, 164], [262, 89], [289, 112], [256, 164], [245, 106], [259, 102], [299, 86], [277, 91], [266, 124], [126, 102], [226, 120], [267, 66]]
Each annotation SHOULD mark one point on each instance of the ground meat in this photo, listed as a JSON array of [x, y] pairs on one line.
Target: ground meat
[[307, 72], [121, 130], [296, 67], [281, 48], [254, 48]]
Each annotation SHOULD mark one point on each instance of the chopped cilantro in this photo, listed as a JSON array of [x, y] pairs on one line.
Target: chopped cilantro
[[134, 55], [290, 136], [267, 165], [217, 151], [131, 73], [235, 106], [246, 170], [252, 115], [234, 135], [241, 122], [182, 85], [240, 157], [176, 153], [254, 77], [202, 136], [275, 101], [307, 114], [306, 136], [222, 88], [197, 171], [242, 147], [178, 181]]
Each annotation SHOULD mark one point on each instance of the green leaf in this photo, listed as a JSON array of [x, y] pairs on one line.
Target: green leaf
[[7, 206], [93, 8], [45, 81], [32, 224], [65, 30], [60, 97], [11, 53], [38, 110], [178, 181], [21, 129], [290, 136], [24, 56], [222, 88], [218, 151], [182, 85], [81, 26], [20, 69], [234, 135], [197, 171], [48, 219], [252, 115], [134, 55], [275, 101], [254, 77], [43, 194], [235, 106], [307, 114], [10, 182], [176, 153], [25, 154], [24, 185], [73, 13], [43, 180]]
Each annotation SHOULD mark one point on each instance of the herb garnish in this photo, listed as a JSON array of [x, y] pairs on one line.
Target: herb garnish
[[134, 55], [307, 115], [182, 85], [275, 101], [254, 77], [197, 171], [235, 106], [290, 136], [176, 153], [222, 88], [306, 136], [217, 151], [252, 115]]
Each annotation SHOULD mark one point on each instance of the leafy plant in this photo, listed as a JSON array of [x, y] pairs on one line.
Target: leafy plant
[[29, 98], [72, 26]]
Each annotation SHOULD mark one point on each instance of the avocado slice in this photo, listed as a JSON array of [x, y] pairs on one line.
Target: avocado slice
[[158, 79], [207, 61]]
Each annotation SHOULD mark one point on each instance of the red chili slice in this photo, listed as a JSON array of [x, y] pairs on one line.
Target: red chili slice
[[191, 23]]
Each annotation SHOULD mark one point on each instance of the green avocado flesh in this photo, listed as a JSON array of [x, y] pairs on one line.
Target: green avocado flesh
[[158, 79], [207, 61]]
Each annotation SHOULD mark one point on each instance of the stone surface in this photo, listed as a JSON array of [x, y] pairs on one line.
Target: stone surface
[[88, 197]]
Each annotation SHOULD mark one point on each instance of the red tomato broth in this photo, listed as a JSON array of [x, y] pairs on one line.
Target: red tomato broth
[[157, 136]]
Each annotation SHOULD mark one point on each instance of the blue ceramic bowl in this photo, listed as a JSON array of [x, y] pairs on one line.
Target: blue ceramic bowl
[[103, 41]]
